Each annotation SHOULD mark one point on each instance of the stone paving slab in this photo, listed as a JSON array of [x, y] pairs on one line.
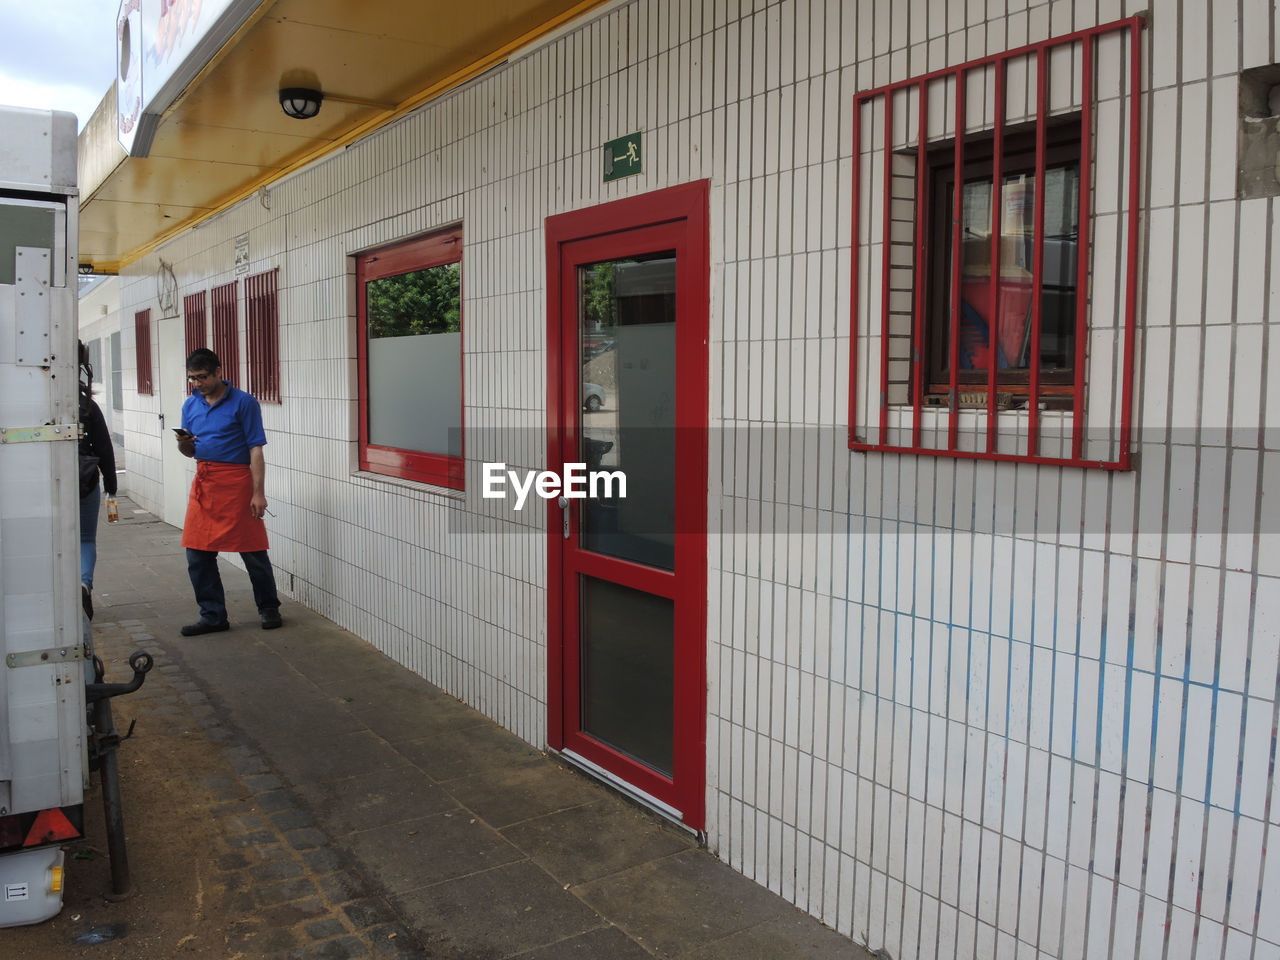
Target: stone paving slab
[[592, 841], [497, 913], [681, 902]]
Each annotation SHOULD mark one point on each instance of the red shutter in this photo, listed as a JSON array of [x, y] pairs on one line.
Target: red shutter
[[262, 307], [142, 344], [194, 321], [226, 333]]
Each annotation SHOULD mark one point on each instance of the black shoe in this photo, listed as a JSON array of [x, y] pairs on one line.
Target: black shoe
[[86, 600], [272, 620], [204, 626]]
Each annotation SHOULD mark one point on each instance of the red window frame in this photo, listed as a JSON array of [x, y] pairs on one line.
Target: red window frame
[[226, 330], [142, 351], [880, 148], [194, 321], [437, 249], [262, 312]]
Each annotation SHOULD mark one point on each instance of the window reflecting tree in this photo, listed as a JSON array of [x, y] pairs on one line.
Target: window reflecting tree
[[418, 302]]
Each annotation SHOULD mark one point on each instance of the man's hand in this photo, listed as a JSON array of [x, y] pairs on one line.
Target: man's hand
[[187, 444], [258, 470]]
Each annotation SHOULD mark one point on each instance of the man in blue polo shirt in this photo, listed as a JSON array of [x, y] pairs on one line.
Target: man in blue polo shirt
[[222, 429]]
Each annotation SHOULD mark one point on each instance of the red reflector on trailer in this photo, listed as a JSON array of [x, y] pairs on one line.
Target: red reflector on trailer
[[49, 827]]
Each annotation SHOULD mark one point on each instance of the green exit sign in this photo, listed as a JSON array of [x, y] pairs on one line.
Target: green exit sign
[[622, 157]]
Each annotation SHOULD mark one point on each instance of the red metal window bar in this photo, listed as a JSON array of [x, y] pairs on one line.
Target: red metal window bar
[[913, 251], [142, 348], [194, 323], [226, 333], [263, 321]]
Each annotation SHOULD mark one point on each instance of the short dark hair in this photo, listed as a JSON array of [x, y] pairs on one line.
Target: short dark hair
[[202, 358]]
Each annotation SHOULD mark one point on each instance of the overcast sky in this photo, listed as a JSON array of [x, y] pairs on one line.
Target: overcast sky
[[57, 54]]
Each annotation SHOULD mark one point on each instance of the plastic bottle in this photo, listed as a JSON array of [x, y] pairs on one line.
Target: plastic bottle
[[113, 511]]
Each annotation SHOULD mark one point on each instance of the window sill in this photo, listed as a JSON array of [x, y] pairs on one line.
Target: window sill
[[416, 486], [972, 436], [1005, 401]]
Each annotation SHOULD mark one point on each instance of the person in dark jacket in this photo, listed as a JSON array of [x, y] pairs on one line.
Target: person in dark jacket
[[95, 442]]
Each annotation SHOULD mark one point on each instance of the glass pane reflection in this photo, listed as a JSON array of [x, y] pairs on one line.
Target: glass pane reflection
[[627, 384], [628, 671], [415, 360], [1011, 317]]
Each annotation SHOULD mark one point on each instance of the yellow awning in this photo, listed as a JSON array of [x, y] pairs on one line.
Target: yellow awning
[[226, 135]]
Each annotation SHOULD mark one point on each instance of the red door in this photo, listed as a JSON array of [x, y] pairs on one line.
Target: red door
[[627, 398]]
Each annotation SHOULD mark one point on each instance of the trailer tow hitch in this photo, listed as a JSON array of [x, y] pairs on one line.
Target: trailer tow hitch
[[141, 663], [102, 755]]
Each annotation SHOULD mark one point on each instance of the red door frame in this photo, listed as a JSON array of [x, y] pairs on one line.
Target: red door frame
[[683, 211]]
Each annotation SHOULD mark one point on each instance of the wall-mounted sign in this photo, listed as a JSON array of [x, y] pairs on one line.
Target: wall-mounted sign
[[242, 254], [160, 47], [622, 157]]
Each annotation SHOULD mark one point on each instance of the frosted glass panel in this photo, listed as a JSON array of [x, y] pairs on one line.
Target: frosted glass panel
[[415, 393], [414, 326]]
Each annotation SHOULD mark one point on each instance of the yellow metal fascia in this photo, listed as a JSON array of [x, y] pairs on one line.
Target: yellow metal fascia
[[456, 79], [219, 55], [223, 51]]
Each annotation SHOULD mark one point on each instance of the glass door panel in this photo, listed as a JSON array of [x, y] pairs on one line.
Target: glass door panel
[[628, 668], [627, 386]]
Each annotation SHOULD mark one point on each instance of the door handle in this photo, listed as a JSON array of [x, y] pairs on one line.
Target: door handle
[[563, 504], [161, 416]]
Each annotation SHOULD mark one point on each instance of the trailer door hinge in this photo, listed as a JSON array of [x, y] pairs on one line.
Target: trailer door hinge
[[44, 433], [36, 658]]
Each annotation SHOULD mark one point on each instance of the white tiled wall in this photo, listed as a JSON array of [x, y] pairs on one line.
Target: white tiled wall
[[956, 709], [98, 319]]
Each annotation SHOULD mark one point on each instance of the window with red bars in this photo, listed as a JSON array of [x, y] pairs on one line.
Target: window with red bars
[[226, 333], [999, 322], [142, 346], [263, 317], [194, 322]]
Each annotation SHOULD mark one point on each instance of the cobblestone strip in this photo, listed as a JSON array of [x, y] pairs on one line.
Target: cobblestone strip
[[296, 896]]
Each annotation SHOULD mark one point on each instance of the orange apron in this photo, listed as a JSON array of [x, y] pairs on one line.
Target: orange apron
[[218, 517]]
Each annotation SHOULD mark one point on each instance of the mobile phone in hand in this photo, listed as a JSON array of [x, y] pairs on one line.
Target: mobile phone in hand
[[182, 434]]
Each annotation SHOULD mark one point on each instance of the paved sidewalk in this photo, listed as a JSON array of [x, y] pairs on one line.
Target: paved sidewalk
[[365, 813]]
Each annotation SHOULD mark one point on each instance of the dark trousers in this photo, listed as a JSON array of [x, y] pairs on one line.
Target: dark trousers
[[202, 567]]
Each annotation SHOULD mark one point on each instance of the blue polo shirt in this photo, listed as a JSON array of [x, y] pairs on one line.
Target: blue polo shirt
[[225, 431]]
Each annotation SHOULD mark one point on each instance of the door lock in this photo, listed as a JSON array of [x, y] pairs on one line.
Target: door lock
[[563, 504]]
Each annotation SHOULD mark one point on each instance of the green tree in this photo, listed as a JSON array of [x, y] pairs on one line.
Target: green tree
[[423, 301], [598, 297]]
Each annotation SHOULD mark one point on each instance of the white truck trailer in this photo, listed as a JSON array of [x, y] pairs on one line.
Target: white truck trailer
[[44, 736], [55, 706]]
